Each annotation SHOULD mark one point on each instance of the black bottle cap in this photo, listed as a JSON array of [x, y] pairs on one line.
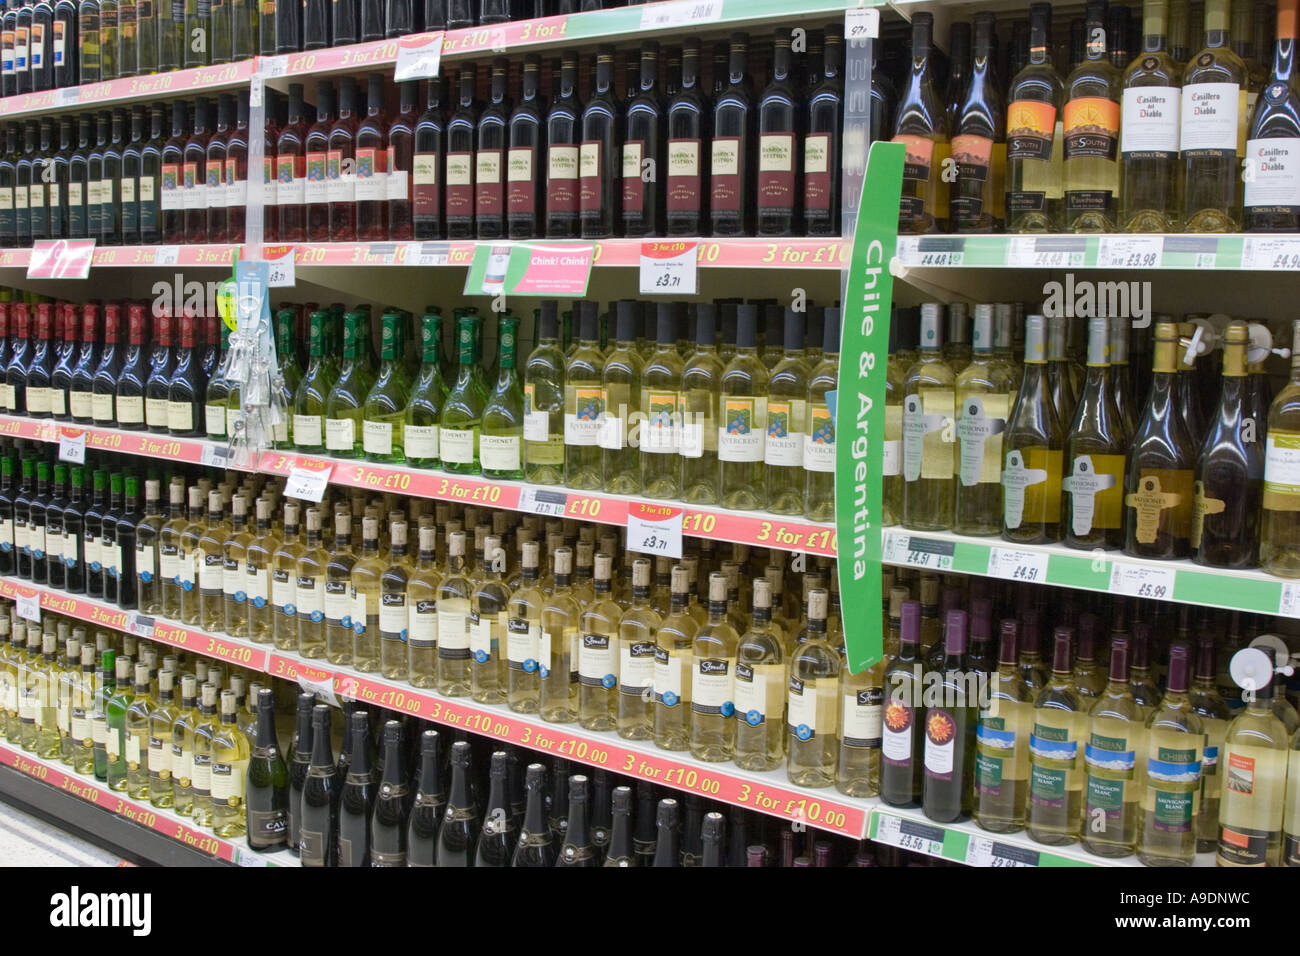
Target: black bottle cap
[[665, 324], [793, 329], [772, 331], [704, 324], [746, 326], [588, 321], [627, 320], [831, 331], [548, 320]]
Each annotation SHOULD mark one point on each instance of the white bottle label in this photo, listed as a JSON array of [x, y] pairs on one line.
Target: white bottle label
[[453, 631], [742, 430], [523, 645], [393, 614], [669, 668], [420, 441], [377, 437], [1273, 172], [306, 430], [711, 686], [1150, 119], [1209, 116], [597, 661], [499, 452], [456, 445], [862, 717], [636, 667], [422, 624], [340, 434]]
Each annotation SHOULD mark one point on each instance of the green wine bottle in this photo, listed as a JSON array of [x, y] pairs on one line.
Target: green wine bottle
[[309, 397], [501, 438], [662, 405], [385, 407], [344, 406], [462, 415], [819, 437], [420, 423], [290, 372]]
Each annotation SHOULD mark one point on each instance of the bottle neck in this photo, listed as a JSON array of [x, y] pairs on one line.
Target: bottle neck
[[535, 812]]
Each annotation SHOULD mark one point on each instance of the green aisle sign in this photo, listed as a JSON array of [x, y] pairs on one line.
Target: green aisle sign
[[860, 405]]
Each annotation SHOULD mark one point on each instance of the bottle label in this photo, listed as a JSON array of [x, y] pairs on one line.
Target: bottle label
[[1095, 486], [1150, 120], [81, 405], [456, 445], [487, 183], [590, 198], [1273, 175], [562, 179], [453, 634], [460, 184], [372, 175], [267, 828], [724, 181], [316, 188], [338, 604], [183, 765], [683, 192], [38, 400], [661, 428], [1208, 123], [110, 555], [636, 667], [940, 743], [256, 587], [817, 173], [523, 645], [1052, 755], [420, 441], [228, 783], [758, 692], [980, 423], [216, 191], [994, 746], [112, 742], [160, 759], [785, 439], [422, 624], [377, 437], [1091, 128], [359, 615], [743, 428], [1031, 127], [928, 435], [144, 561], [130, 409], [133, 751], [1031, 486], [862, 718], [170, 188], [212, 571], [1163, 503], [194, 193], [633, 184], [583, 425], [290, 180], [812, 708], [214, 417], [597, 662], [711, 687], [500, 452], [68, 551], [672, 671], [1174, 776], [311, 599], [282, 592], [180, 416], [306, 431], [340, 181], [155, 412], [1202, 506], [776, 171], [340, 434], [521, 195], [1111, 765]]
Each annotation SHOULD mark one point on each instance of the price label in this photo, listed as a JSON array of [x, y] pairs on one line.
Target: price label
[[140, 625], [280, 272], [1137, 580], [29, 607], [322, 686], [908, 250], [61, 259], [985, 852], [256, 91], [217, 456], [69, 95], [1011, 564], [249, 858], [426, 254], [166, 255], [1270, 254], [418, 57], [1129, 252], [72, 445], [654, 529], [680, 13], [940, 260], [1289, 605], [306, 484], [861, 24], [669, 268], [910, 835], [918, 552], [272, 66], [542, 502]]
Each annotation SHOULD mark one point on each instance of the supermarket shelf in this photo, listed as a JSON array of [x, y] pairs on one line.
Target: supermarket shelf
[[965, 842], [1110, 571], [674, 17], [203, 846], [769, 793], [753, 528], [828, 254], [193, 451], [1121, 251]]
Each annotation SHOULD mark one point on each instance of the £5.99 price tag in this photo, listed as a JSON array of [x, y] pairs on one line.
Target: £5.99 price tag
[[654, 529], [72, 445], [1138, 580], [669, 268], [308, 485], [1014, 565]]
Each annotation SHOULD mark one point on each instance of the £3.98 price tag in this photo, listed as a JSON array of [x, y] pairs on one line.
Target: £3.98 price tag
[[669, 268], [72, 445], [1014, 565], [984, 852], [1138, 580], [654, 529], [307, 485]]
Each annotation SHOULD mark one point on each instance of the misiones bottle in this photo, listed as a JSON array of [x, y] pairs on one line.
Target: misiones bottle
[[1033, 447], [1092, 510], [983, 401], [929, 431]]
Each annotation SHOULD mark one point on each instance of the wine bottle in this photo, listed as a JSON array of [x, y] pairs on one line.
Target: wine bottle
[[688, 121], [357, 797], [983, 398], [903, 718], [666, 834], [1002, 743], [979, 148], [1149, 130], [496, 844], [392, 804], [820, 201], [600, 160], [1034, 135], [929, 432], [949, 759], [267, 790], [1272, 178], [1160, 472], [129, 392], [319, 817], [1091, 130], [459, 832], [534, 848], [459, 159], [1091, 495], [461, 420], [620, 852], [1175, 742], [1056, 770], [577, 848], [922, 127], [428, 805], [731, 152], [1113, 790], [490, 145], [1033, 447], [779, 129]]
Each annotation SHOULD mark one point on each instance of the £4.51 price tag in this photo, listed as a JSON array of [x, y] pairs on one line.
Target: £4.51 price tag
[[307, 485], [1014, 565], [669, 268], [654, 529], [72, 445]]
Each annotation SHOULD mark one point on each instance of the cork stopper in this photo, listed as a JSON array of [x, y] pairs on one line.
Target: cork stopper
[[215, 502], [123, 670], [529, 554], [641, 573], [227, 702], [563, 561], [189, 687], [818, 602], [929, 589], [397, 533], [370, 527], [87, 656], [342, 523], [604, 565], [456, 544], [762, 594], [141, 675], [428, 538], [166, 682], [493, 554], [313, 520], [717, 588], [209, 695]]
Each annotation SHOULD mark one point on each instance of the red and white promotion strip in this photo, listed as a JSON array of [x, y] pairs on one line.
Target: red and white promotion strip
[[61, 259], [669, 268]]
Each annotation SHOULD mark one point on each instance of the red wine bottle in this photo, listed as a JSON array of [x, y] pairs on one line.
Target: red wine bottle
[[523, 158], [187, 387], [401, 154], [426, 166], [291, 171], [779, 115], [371, 26], [83, 371], [129, 394], [399, 18], [690, 123], [600, 163], [289, 27], [148, 187], [731, 157], [42, 363], [162, 362], [372, 165], [344, 27], [340, 164], [461, 130], [563, 132], [316, 189], [129, 182], [19, 357], [236, 174], [194, 176], [214, 172], [489, 157], [172, 185], [315, 26], [61, 377], [644, 151]]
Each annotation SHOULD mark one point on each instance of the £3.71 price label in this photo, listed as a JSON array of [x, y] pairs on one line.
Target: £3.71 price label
[[654, 529], [307, 485], [668, 268], [1138, 580]]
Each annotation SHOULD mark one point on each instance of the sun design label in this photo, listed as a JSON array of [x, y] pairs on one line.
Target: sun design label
[[896, 732], [940, 734]]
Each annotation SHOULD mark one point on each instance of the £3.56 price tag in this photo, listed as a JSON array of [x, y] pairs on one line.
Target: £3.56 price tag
[[910, 835], [669, 268], [72, 445], [1014, 565], [307, 485], [1137, 580], [654, 529]]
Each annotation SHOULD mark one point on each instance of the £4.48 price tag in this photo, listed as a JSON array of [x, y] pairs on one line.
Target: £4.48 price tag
[[669, 268], [307, 485], [72, 445], [1011, 564], [654, 529], [1137, 580]]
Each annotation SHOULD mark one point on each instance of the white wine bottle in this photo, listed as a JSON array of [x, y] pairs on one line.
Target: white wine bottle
[[1113, 791], [929, 432], [1175, 748], [1002, 743], [983, 392], [1056, 766]]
